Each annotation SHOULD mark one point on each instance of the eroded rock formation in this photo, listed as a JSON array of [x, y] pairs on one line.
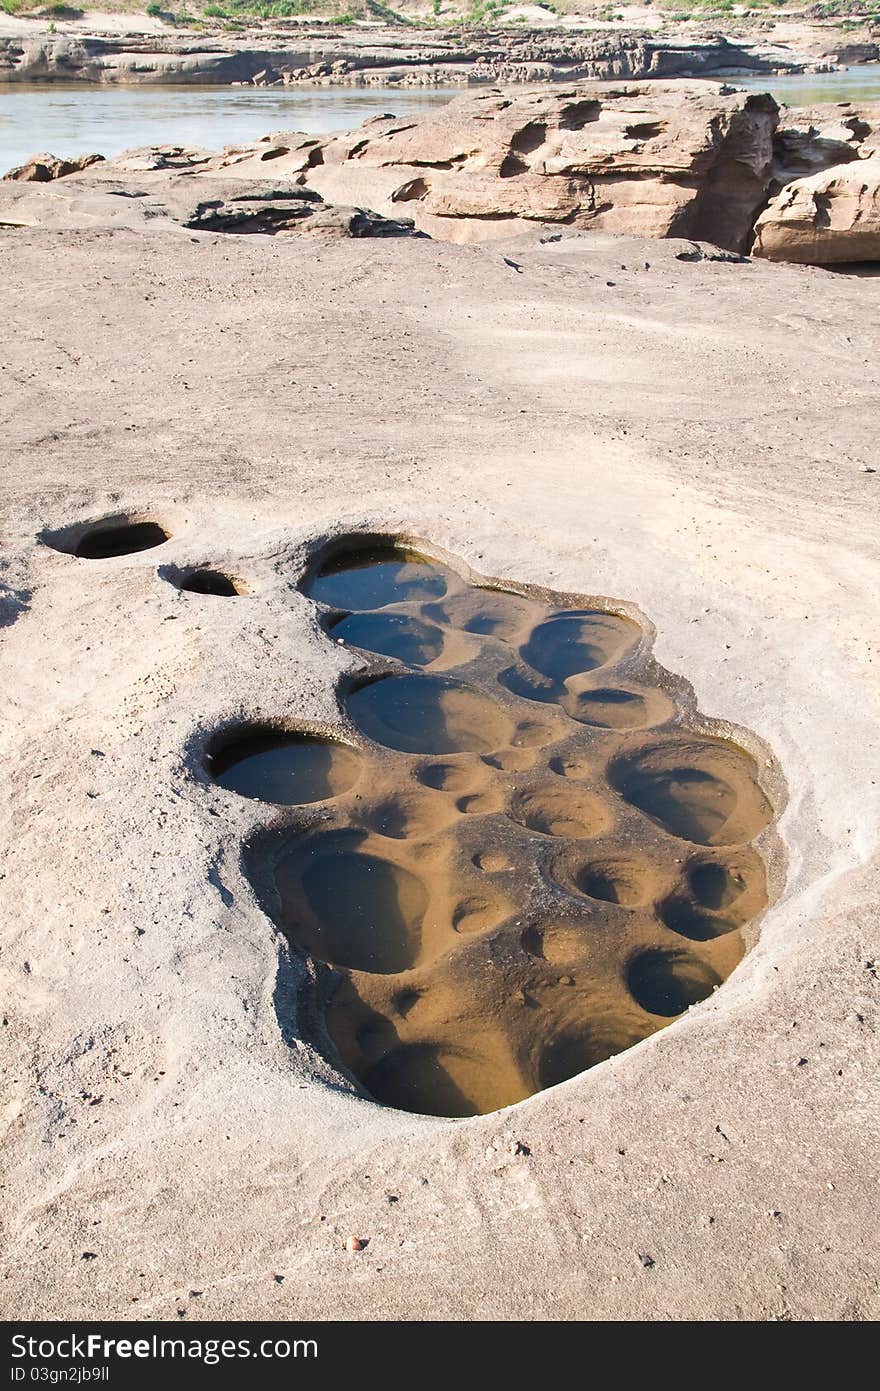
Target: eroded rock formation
[[365, 57], [43, 168], [831, 217], [691, 160], [213, 205], [252, 207], [657, 161]]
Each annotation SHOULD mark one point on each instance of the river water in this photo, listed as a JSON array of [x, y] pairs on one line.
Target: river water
[[69, 120], [806, 89], [80, 118]]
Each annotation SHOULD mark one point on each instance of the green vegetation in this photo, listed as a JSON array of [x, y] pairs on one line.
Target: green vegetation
[[232, 12], [481, 12], [709, 9], [831, 9], [377, 10], [235, 15]]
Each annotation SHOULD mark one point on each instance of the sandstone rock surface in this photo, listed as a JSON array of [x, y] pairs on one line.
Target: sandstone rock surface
[[213, 205], [692, 159], [689, 438], [833, 216], [43, 168], [688, 161], [377, 56], [251, 207]]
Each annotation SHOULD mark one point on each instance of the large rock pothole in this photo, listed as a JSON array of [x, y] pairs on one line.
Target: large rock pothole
[[508, 880]]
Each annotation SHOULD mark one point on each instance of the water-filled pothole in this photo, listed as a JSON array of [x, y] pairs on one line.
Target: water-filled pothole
[[428, 714], [373, 576], [669, 982], [512, 892], [351, 906], [288, 769]]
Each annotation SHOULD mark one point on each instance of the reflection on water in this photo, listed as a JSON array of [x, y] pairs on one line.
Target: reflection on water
[[76, 119]]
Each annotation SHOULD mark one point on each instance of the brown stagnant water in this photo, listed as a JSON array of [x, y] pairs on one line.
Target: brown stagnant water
[[532, 860]]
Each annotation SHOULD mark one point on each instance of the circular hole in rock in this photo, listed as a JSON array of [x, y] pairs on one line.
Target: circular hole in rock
[[403, 816], [534, 734], [558, 810], [350, 907], [511, 760], [486, 612], [287, 769], [613, 708], [124, 538], [715, 886], [441, 1080], [623, 881], [449, 777], [428, 714], [668, 982], [572, 765], [211, 582], [478, 914], [575, 642], [698, 790], [397, 635], [371, 577], [492, 861], [690, 920], [529, 685], [481, 803], [579, 1048]]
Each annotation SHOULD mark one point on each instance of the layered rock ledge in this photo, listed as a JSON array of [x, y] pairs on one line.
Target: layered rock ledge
[[381, 57]]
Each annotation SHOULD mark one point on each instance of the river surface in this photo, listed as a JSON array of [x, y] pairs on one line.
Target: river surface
[[80, 118], [76, 119], [806, 89]]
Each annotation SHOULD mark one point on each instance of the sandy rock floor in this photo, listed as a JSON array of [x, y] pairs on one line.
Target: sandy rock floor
[[690, 437]]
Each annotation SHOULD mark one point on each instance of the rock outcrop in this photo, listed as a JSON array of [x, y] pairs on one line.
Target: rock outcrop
[[694, 160], [255, 208], [811, 139], [43, 168], [831, 217], [375, 56], [648, 159], [169, 198]]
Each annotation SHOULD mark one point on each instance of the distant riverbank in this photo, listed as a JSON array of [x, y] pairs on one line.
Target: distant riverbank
[[401, 57]]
